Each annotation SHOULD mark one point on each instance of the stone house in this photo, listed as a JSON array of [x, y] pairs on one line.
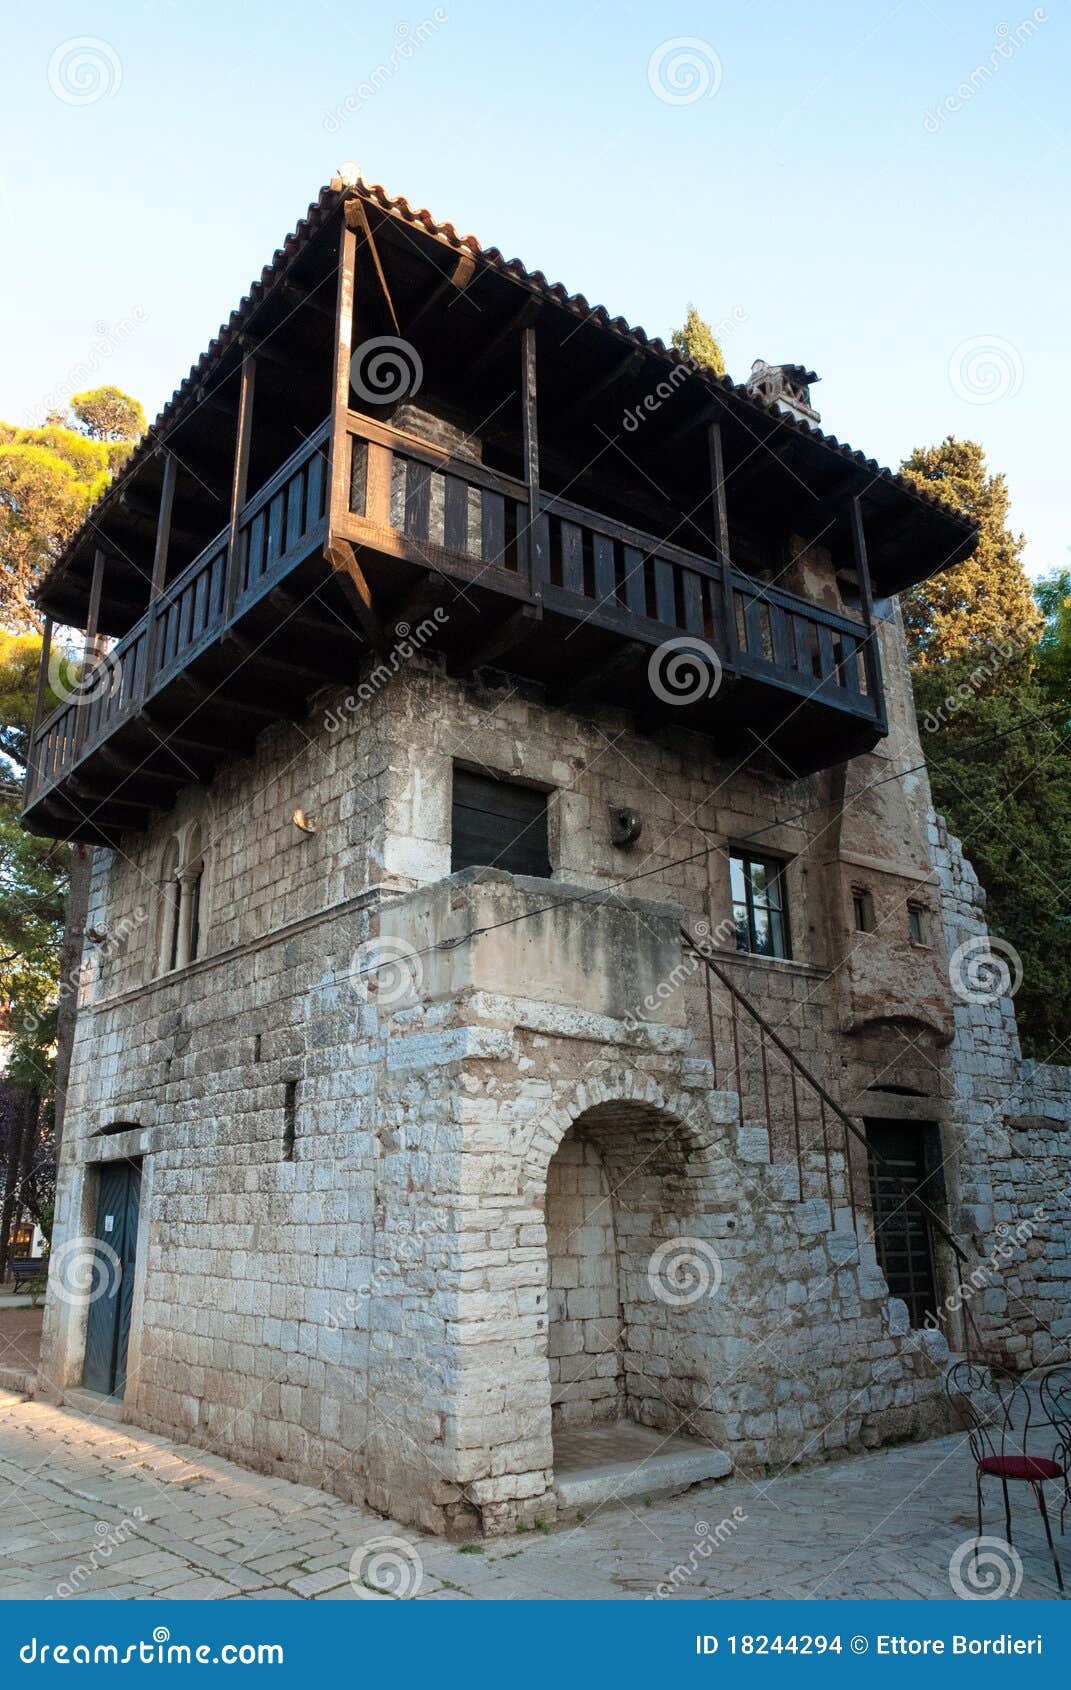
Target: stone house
[[526, 993]]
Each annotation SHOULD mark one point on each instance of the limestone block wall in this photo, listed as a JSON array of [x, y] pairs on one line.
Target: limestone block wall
[[1012, 1126], [371, 1313], [584, 1303]]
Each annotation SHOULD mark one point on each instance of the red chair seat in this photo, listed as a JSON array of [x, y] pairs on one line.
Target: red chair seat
[[1021, 1467]]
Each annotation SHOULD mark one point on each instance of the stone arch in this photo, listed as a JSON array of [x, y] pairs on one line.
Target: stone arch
[[630, 1204], [619, 1086]]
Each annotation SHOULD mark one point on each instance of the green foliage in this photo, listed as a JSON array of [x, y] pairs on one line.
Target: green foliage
[[984, 601], [107, 414], [33, 884], [1000, 769], [695, 338], [1053, 595], [49, 477]]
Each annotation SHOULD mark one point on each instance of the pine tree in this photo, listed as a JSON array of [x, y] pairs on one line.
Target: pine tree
[[695, 338], [985, 601]]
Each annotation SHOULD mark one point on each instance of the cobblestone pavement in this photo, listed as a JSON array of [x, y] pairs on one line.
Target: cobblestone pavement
[[90, 1509]]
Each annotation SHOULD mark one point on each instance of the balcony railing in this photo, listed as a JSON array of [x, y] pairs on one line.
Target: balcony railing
[[278, 527], [427, 504], [412, 500]]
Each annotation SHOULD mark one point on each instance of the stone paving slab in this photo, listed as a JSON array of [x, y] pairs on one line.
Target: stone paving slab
[[92, 1509]]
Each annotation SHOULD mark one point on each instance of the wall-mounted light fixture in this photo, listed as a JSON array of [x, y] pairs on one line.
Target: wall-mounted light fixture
[[625, 828], [307, 824]]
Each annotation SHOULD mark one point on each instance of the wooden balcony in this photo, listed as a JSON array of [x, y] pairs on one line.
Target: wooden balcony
[[573, 600]]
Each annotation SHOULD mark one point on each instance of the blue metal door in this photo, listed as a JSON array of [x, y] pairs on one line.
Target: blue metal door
[[114, 1250]]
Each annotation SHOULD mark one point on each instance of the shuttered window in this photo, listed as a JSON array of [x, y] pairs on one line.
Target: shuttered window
[[498, 825]]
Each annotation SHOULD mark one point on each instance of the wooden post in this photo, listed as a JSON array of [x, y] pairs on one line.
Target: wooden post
[[39, 706], [338, 500], [89, 649], [159, 567], [93, 616], [538, 533], [721, 534], [240, 482], [872, 656]]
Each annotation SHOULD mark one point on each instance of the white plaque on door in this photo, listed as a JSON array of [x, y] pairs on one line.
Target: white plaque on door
[[109, 1223]]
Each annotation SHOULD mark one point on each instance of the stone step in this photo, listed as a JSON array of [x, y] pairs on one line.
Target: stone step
[[599, 1465], [93, 1403], [17, 1379]]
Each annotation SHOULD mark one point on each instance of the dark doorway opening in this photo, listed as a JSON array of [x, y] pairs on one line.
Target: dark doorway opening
[[909, 1154], [111, 1291]]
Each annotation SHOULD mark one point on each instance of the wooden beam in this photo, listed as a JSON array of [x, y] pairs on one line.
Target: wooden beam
[[625, 656], [351, 577], [338, 461], [239, 483], [871, 655], [39, 703], [509, 632], [524, 318], [159, 567], [721, 534], [93, 615]]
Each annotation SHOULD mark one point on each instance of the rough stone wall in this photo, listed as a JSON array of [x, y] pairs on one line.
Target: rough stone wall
[[372, 1315], [1012, 1122], [584, 1305]]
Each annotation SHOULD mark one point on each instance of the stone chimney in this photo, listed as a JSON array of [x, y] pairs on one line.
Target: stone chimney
[[787, 386]]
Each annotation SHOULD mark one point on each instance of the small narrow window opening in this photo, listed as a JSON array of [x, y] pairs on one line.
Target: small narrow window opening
[[862, 909], [916, 924], [289, 1120]]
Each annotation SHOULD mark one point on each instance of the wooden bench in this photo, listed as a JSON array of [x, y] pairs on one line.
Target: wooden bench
[[27, 1270]]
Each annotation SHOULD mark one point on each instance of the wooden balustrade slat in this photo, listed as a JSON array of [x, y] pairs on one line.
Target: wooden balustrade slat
[[572, 558], [493, 528], [665, 598], [605, 578], [635, 581], [692, 587]]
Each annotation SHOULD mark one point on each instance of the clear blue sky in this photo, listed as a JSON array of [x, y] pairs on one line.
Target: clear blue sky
[[912, 263]]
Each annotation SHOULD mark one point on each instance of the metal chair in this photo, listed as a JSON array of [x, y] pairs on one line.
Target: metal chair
[[998, 1427], [1055, 1398]]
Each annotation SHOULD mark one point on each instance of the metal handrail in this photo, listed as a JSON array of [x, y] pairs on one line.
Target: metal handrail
[[826, 1097]]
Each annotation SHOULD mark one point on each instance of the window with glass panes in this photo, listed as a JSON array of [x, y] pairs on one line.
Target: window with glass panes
[[759, 913]]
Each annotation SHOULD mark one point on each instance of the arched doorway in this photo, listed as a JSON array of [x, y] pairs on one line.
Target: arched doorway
[[632, 1281]]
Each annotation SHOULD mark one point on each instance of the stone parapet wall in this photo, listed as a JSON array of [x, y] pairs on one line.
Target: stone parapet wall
[[1012, 1124]]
